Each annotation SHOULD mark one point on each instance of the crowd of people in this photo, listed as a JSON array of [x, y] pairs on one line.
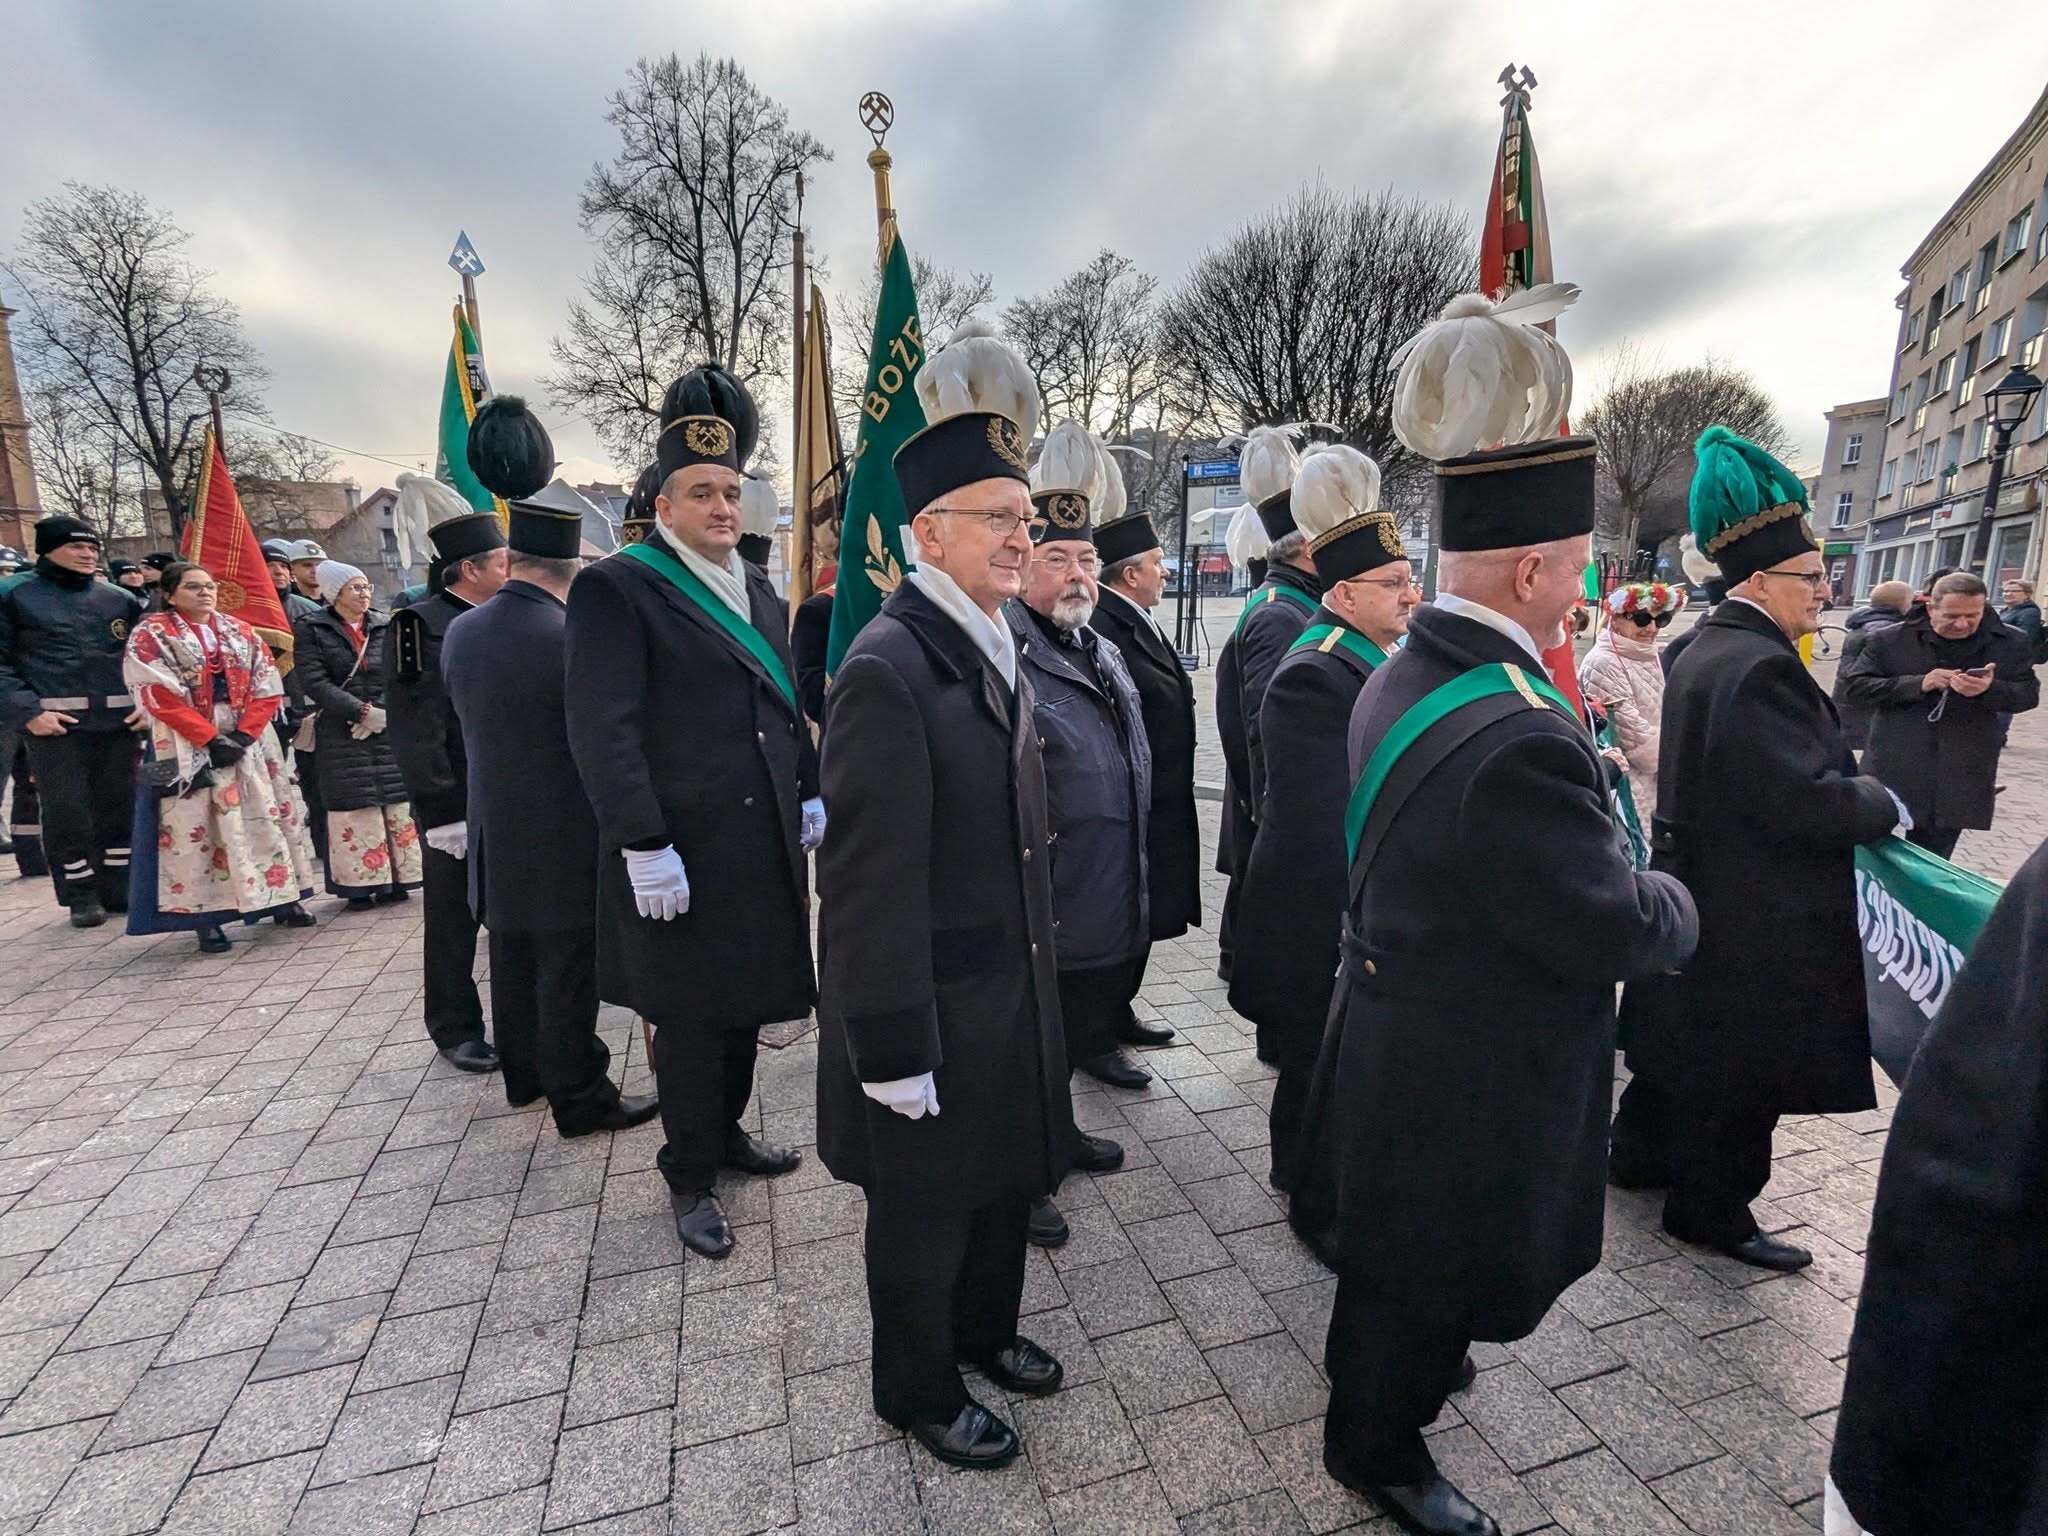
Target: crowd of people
[[1441, 865]]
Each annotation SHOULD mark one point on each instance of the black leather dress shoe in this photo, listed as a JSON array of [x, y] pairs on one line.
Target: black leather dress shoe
[[1024, 1367], [1467, 1374], [1137, 1032], [471, 1056], [1765, 1252], [1047, 1228], [214, 941], [750, 1156], [1097, 1154], [1434, 1508], [293, 916], [391, 896], [701, 1223], [975, 1438], [623, 1113], [87, 912], [1113, 1068]]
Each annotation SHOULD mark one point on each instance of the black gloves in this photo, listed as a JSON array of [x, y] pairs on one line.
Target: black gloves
[[226, 750]]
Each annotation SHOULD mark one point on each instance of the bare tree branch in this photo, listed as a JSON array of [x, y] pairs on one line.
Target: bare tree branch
[[946, 300]]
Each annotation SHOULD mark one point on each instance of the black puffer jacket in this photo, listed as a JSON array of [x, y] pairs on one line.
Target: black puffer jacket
[[1855, 716], [353, 774]]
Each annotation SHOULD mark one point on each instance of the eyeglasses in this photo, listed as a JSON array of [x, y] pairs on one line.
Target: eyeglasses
[[1398, 584], [1813, 579], [1001, 524], [1060, 560]]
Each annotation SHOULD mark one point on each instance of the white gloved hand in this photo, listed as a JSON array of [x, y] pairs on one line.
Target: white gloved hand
[[1905, 816], [813, 823], [660, 888], [914, 1097], [373, 720], [451, 838]]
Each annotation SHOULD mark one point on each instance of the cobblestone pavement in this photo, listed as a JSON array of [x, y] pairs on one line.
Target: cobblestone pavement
[[268, 1265]]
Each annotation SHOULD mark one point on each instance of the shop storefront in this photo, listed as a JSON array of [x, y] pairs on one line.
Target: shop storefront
[[1908, 546]]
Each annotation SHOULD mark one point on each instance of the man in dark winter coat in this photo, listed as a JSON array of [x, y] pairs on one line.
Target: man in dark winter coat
[[530, 865], [684, 719], [1274, 616], [62, 635], [1935, 686], [427, 738], [1944, 1423], [1759, 812], [1889, 603], [942, 1074], [1457, 1125], [1292, 914]]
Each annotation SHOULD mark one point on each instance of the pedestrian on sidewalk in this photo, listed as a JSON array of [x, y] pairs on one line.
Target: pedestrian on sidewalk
[[1890, 602], [1622, 675]]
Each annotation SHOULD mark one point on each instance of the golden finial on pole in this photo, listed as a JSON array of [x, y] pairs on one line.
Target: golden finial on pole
[[877, 114]]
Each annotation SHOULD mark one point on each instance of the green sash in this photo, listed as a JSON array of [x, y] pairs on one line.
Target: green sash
[[1467, 688], [1324, 636], [664, 562], [1266, 595]]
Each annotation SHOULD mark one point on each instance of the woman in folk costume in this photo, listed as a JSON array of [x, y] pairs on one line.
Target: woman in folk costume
[[1621, 674], [220, 831], [373, 846]]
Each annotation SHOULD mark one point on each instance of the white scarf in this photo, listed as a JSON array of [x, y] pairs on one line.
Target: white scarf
[[1138, 608], [727, 582], [1493, 619], [990, 636]]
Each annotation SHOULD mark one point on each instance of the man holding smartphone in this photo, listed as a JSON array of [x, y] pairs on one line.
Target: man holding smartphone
[[1936, 685]]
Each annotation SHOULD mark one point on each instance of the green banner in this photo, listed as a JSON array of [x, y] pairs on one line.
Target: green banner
[[1918, 916], [874, 539], [463, 388]]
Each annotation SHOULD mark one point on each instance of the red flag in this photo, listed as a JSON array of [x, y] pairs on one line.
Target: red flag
[[219, 538]]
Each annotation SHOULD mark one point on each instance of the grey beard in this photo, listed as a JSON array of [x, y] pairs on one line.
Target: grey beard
[[1072, 613]]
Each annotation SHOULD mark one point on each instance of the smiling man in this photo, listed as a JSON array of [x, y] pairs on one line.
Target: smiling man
[[683, 716]]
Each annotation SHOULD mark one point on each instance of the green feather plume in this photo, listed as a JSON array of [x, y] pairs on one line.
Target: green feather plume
[[1732, 481]]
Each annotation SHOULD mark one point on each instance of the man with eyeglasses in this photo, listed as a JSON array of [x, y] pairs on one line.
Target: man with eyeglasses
[[1759, 814]]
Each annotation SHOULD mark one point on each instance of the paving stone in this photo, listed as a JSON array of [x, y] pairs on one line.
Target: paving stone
[[1563, 1350], [604, 1469], [1220, 1306], [23, 1354], [509, 1514], [824, 1329], [1524, 1423], [1601, 1297], [436, 1280], [1110, 1298], [1692, 1296], [87, 1384], [1203, 1456], [496, 1451], [270, 1260], [331, 1333], [1791, 1370], [1782, 1449], [731, 1322], [105, 1240], [1595, 1495], [358, 1270], [34, 1465], [1176, 1246], [523, 1363], [1719, 1498], [1188, 1159], [217, 1325], [420, 1346], [832, 1412], [550, 1237], [371, 1506], [1156, 1368], [714, 1399], [543, 1293], [1274, 1258], [1807, 1311], [1003, 1503], [1141, 1194], [255, 1500], [1638, 1423], [183, 1249], [275, 1418], [401, 1213], [645, 1301], [1270, 1382], [177, 1400], [123, 1492], [741, 1484], [865, 1492], [1306, 1311], [381, 1431], [1263, 1514], [1668, 1356], [1096, 1238]]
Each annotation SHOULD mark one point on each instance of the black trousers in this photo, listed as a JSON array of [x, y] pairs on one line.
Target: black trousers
[[1640, 1150], [1936, 840], [454, 1012], [706, 1077], [1092, 1003], [1391, 1366], [87, 784], [943, 1287], [25, 814], [544, 1014], [316, 808], [1134, 983], [1295, 1050], [1721, 1160]]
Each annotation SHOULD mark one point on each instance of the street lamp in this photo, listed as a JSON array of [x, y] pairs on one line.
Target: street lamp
[[2005, 407]]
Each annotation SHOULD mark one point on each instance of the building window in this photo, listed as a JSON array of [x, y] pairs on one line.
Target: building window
[[1944, 374], [1948, 554], [1930, 453], [2016, 235], [1844, 501], [1966, 380], [1912, 330], [1920, 397], [1997, 339], [1888, 477], [1958, 287], [1902, 402], [1852, 451], [1980, 438], [1987, 260]]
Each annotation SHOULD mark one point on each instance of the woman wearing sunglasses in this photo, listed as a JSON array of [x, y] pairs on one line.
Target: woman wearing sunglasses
[[1621, 674]]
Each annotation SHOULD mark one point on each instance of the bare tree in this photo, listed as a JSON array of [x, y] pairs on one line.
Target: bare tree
[[1091, 343], [692, 221], [1298, 316], [79, 462], [946, 300], [1646, 422], [118, 319], [277, 477]]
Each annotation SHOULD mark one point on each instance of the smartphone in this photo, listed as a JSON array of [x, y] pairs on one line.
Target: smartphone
[[1984, 671]]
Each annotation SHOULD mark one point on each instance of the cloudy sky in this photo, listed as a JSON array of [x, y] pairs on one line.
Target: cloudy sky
[[1747, 184]]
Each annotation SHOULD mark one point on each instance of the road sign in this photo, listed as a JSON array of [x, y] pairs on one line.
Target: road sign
[[1212, 469]]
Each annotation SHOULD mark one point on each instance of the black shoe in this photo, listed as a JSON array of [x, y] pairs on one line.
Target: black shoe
[[1096, 1154], [360, 903], [750, 1156], [1467, 1374], [471, 1056], [86, 912], [1047, 1227], [975, 1438], [213, 941], [293, 916], [1024, 1367], [1434, 1508], [701, 1223], [1133, 1032], [385, 898], [1756, 1249], [521, 1100], [1111, 1068], [622, 1114]]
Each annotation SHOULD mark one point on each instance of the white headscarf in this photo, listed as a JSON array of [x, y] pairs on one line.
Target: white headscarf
[[332, 576]]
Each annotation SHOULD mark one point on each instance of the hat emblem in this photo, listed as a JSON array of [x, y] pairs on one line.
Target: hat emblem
[[1390, 540], [708, 437], [1067, 510], [1007, 440]]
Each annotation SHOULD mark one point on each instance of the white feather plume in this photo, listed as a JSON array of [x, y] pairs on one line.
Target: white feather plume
[[977, 371], [1332, 487], [1484, 376], [1069, 461], [1112, 499], [422, 502], [1697, 567], [1266, 463], [760, 507], [1246, 538]]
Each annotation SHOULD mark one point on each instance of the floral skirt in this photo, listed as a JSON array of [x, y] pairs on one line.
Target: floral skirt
[[371, 850]]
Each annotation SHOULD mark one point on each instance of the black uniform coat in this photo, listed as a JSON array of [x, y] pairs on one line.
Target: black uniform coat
[[354, 775], [810, 631], [1243, 668], [62, 637], [1945, 770], [1290, 917], [1166, 698], [935, 912], [1759, 811], [1858, 627], [1098, 777], [681, 737], [1456, 1130], [425, 734], [1944, 1425], [532, 835]]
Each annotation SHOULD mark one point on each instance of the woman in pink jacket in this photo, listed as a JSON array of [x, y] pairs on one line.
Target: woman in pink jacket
[[1621, 675]]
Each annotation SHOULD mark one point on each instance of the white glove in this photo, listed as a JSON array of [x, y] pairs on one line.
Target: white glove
[[814, 823], [451, 838], [914, 1097], [1905, 816], [373, 720], [660, 888]]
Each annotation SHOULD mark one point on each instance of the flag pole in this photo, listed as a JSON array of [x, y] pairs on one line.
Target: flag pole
[[797, 575], [878, 115], [469, 307]]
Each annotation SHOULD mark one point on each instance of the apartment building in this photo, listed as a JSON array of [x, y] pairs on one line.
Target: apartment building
[[1845, 488]]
